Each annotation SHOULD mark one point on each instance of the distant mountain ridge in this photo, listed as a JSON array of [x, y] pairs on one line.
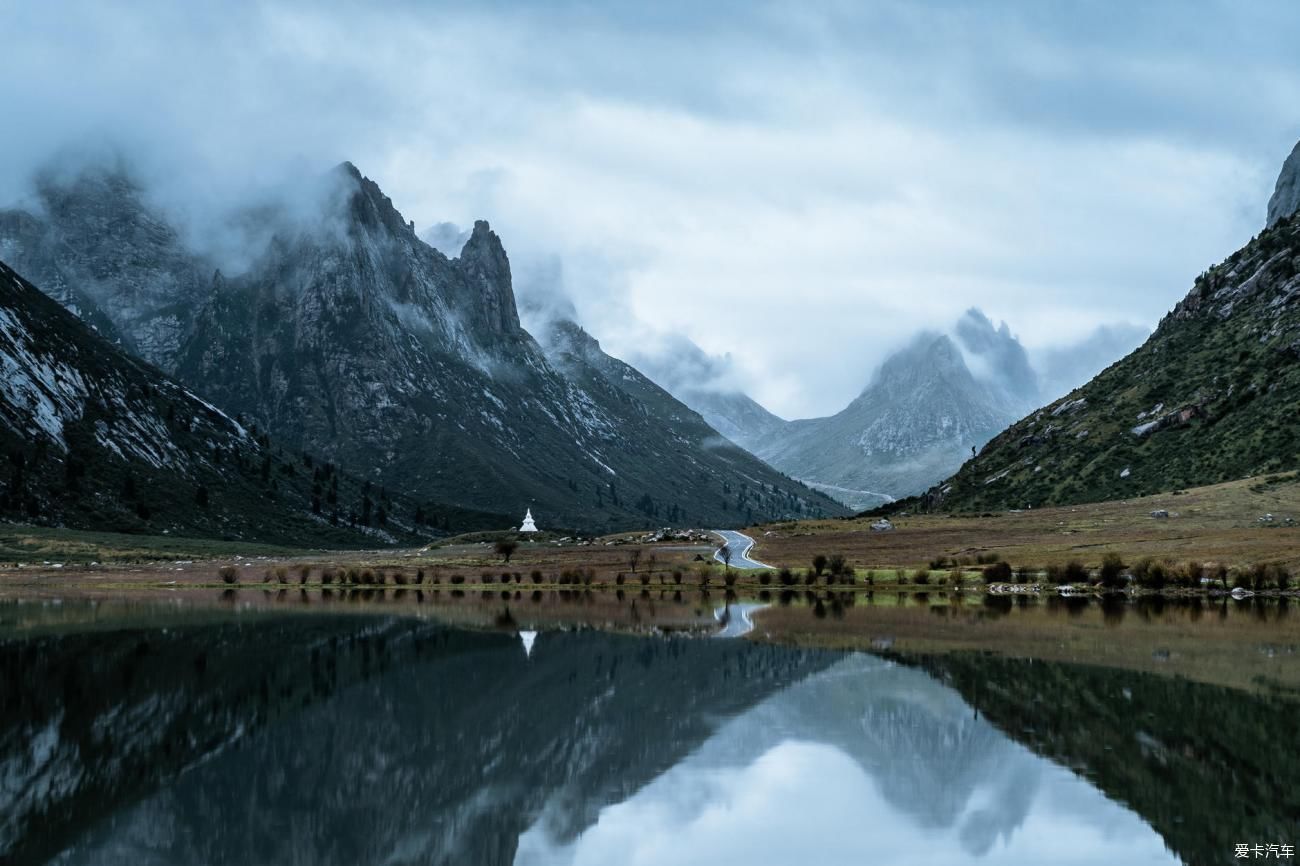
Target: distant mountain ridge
[[915, 421], [357, 341]]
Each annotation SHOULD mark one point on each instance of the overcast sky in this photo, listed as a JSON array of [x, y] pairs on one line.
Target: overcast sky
[[802, 185]]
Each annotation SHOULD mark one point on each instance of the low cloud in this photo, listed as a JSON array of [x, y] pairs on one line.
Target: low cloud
[[799, 187]]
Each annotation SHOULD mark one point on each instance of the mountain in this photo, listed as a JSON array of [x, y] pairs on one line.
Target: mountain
[[996, 358], [1209, 397], [917, 420], [914, 423], [97, 439], [349, 337], [93, 244]]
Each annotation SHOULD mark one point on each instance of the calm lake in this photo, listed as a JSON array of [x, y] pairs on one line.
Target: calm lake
[[164, 736]]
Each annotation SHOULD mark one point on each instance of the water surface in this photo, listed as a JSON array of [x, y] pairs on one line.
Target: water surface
[[267, 737]]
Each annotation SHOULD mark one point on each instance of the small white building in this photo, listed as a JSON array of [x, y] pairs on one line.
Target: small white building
[[528, 526]]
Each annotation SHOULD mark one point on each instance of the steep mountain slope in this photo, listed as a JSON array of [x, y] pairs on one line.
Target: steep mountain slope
[[916, 421], [351, 338], [704, 383], [737, 416], [96, 439], [749, 490], [1211, 396]]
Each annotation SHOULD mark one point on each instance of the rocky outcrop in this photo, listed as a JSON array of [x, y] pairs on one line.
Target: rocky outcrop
[[1286, 194]]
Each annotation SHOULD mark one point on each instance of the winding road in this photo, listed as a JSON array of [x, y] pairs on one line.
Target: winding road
[[739, 544]]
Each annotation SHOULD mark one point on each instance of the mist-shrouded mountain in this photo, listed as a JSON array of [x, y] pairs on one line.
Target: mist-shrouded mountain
[[351, 338], [95, 438], [921, 415], [1209, 397], [702, 382], [92, 243], [917, 419]]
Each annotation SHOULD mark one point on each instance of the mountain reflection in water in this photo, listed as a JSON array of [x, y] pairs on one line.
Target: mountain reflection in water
[[326, 740]]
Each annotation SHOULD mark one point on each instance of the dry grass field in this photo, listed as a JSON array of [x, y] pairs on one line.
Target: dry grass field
[[1207, 524]]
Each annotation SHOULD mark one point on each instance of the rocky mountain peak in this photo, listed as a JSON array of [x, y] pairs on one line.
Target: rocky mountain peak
[[368, 206], [486, 268], [1286, 194]]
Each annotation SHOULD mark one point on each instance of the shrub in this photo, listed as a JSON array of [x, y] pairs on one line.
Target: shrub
[[458, 579], [677, 578], [1026, 574], [535, 576], [1112, 571], [939, 562], [1076, 572], [326, 576], [836, 565], [765, 578], [1151, 575], [281, 574], [998, 572], [986, 559], [229, 574], [400, 578], [786, 577], [819, 564], [505, 548], [921, 577], [304, 572]]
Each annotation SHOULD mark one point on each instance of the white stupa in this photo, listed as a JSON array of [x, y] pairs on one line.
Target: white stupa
[[528, 526]]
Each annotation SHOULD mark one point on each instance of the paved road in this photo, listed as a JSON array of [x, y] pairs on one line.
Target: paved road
[[739, 543]]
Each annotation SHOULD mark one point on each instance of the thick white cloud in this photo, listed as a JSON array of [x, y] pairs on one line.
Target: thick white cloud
[[803, 187]]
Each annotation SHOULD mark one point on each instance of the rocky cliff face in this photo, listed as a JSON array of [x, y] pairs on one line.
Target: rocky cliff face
[[352, 339], [1286, 194]]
